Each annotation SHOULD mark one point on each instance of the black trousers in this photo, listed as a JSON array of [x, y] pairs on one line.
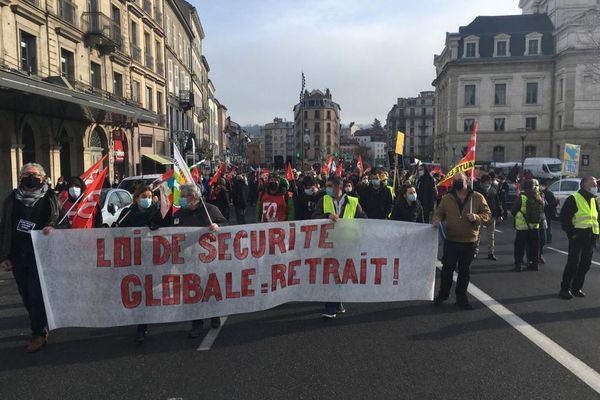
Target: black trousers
[[26, 276], [527, 240], [456, 255], [578, 262], [240, 215]]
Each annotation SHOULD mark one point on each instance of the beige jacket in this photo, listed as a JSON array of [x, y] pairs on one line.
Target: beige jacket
[[458, 226]]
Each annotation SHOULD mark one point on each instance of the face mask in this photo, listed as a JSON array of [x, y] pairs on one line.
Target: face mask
[[458, 185], [594, 191], [412, 197], [31, 182], [348, 190], [542, 188], [74, 192], [329, 191], [147, 202], [183, 203], [375, 183], [486, 187], [308, 192], [421, 173]]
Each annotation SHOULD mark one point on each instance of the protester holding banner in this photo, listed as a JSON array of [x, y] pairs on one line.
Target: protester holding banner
[[194, 213], [274, 204], [462, 211], [488, 190], [335, 204], [32, 206], [407, 206], [219, 197], [307, 198], [376, 199]]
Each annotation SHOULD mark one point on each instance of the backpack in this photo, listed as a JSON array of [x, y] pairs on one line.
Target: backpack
[[533, 211]]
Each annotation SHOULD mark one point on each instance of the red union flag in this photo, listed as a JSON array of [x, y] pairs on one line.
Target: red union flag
[[86, 209], [359, 165], [326, 168], [91, 174], [289, 174], [467, 164]]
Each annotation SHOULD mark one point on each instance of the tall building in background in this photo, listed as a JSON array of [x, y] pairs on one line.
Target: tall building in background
[[277, 144], [317, 126]]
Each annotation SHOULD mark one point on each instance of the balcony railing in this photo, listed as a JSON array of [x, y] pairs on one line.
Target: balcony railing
[[147, 6], [160, 68], [149, 61], [104, 31], [67, 11], [158, 15], [186, 99], [136, 53]]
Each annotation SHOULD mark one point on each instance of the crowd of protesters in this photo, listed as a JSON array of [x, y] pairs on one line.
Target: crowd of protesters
[[461, 214]]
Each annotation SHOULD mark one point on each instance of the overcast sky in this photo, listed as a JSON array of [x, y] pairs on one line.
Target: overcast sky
[[368, 52]]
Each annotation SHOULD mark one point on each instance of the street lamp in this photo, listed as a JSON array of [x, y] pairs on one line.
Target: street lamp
[[523, 137], [305, 145]]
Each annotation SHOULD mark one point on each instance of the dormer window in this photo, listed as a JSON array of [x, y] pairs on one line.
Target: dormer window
[[533, 44], [471, 47], [502, 45]]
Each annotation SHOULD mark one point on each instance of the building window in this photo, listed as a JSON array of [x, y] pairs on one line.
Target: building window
[[149, 97], [96, 75], [561, 89], [328, 114], [532, 93], [501, 48], [471, 50], [67, 64], [135, 91], [530, 151], [305, 114], [146, 140], [499, 124], [159, 102], [531, 123], [28, 53], [317, 127], [170, 73], [468, 124], [317, 114], [560, 122], [329, 127], [470, 95], [533, 47], [177, 80], [500, 94], [423, 111], [118, 84], [498, 155]]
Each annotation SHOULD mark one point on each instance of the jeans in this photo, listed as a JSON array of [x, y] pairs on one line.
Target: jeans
[[331, 308], [28, 282], [461, 255], [527, 239], [491, 234], [579, 261], [240, 215]]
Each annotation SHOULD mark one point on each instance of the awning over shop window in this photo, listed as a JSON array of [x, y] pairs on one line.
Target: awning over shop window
[[159, 159]]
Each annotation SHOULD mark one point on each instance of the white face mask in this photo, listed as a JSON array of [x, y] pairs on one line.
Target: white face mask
[[74, 192], [594, 190]]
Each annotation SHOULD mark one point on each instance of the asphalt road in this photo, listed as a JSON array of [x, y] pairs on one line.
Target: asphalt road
[[375, 351]]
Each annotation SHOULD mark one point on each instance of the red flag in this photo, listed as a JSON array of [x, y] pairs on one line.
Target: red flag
[[338, 170], [326, 168], [91, 174], [289, 174], [195, 174], [359, 165], [467, 164], [217, 175], [86, 209]]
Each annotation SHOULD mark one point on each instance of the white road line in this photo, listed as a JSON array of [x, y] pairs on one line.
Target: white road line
[[577, 367], [211, 336], [565, 253], [497, 230]]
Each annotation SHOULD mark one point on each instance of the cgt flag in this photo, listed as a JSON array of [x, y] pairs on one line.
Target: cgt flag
[[400, 143], [359, 165], [289, 174], [467, 164], [91, 174], [86, 209]]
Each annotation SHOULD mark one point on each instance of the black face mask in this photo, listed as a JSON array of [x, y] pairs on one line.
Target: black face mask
[[31, 182], [458, 185], [273, 186]]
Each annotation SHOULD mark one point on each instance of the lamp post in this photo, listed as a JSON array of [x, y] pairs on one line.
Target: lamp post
[[523, 137], [306, 143]]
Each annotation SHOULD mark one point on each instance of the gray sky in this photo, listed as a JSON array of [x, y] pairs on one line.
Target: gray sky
[[368, 52]]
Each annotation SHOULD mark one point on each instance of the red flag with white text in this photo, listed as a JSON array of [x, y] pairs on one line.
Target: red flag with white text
[[359, 165], [86, 209], [89, 175]]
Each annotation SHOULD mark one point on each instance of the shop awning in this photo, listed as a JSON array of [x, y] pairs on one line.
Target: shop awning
[[159, 159]]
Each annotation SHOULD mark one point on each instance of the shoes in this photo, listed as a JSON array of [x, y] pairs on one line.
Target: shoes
[[328, 315], [518, 268], [215, 322], [439, 300], [140, 336], [35, 344], [196, 330], [542, 260], [492, 257], [533, 267], [465, 305], [577, 293], [475, 256], [565, 294]]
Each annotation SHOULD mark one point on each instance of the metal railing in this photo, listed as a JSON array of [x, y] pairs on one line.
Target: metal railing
[[99, 24], [149, 61], [186, 98], [136, 53], [67, 11]]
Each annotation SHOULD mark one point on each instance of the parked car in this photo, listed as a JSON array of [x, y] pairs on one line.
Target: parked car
[[131, 182], [112, 202], [564, 188]]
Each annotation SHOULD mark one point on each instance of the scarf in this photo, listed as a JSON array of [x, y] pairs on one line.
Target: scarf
[[30, 199]]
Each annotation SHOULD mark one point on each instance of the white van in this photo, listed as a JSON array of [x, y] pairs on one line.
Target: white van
[[543, 167]]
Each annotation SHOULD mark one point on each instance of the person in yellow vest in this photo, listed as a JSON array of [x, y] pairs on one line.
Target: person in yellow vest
[[579, 219], [527, 210], [335, 205]]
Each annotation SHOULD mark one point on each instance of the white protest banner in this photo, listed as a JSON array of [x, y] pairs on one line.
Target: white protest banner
[[124, 276]]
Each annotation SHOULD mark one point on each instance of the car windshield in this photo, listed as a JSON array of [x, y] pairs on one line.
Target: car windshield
[[554, 167], [103, 194]]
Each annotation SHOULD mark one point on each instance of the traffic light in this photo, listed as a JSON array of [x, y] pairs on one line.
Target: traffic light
[[298, 156], [336, 154]]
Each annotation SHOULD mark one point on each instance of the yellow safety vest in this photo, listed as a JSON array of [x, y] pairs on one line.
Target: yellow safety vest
[[586, 217], [520, 223], [349, 210]]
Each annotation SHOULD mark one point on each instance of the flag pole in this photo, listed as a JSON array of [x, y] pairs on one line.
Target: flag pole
[[70, 209], [395, 172]]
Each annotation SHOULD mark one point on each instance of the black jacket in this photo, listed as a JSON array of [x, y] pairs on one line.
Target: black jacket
[[239, 194], [493, 199], [568, 210], [197, 217], [426, 191], [551, 203], [133, 217], [403, 211], [377, 203], [304, 205]]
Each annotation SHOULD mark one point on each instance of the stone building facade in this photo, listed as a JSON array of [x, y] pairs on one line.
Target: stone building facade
[[275, 142]]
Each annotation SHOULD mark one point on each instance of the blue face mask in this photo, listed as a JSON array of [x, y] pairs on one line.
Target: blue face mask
[[183, 202], [412, 197], [329, 191], [145, 203], [308, 192]]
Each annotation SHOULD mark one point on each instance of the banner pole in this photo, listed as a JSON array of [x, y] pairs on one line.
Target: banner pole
[[395, 172]]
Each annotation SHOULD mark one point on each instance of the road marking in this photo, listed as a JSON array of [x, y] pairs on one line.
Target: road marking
[[565, 253], [211, 336], [577, 367], [498, 230]]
